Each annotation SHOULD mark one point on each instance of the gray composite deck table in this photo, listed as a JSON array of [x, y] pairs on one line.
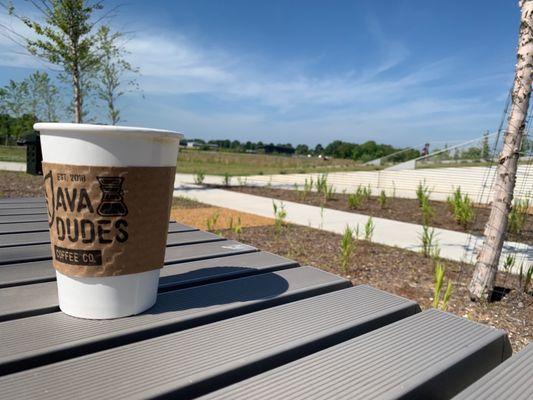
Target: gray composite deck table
[[231, 321]]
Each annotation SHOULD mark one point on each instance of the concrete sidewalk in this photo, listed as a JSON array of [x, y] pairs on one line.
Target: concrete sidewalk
[[12, 166], [453, 245]]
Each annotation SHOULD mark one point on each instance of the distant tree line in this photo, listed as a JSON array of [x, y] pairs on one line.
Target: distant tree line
[[337, 149]]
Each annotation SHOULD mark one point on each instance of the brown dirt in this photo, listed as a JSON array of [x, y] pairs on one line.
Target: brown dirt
[[220, 218], [399, 271], [20, 184], [399, 209]]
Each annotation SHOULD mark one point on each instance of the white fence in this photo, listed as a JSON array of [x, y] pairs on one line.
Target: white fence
[[474, 181]]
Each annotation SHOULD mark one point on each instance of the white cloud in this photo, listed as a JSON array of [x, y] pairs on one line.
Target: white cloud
[[273, 100]]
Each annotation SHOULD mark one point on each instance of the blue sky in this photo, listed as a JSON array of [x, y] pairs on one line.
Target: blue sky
[[399, 72]]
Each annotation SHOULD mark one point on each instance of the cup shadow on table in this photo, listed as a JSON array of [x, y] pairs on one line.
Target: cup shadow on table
[[219, 290]]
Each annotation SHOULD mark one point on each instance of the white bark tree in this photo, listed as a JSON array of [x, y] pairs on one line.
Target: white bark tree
[[483, 280]]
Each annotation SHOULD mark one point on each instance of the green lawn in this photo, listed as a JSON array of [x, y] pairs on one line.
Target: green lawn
[[12, 153], [220, 163]]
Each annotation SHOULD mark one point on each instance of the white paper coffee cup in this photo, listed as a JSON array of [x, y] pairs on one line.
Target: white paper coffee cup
[[107, 146]]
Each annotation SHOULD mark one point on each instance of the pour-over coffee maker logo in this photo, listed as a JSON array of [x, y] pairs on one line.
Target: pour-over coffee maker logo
[[112, 202]]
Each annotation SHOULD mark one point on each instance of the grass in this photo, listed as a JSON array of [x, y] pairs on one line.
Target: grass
[[222, 163], [13, 153], [421, 165]]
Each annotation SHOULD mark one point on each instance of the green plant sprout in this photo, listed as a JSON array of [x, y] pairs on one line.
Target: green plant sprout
[[279, 216], [422, 192], [462, 208], [322, 183], [212, 221], [347, 247], [369, 229], [199, 178], [227, 179], [428, 241], [382, 199], [439, 282], [518, 216]]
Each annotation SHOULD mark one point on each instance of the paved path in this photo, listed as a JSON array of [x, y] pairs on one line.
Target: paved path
[[12, 166], [454, 245]]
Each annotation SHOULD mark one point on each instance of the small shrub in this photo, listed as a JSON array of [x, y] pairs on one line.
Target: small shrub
[[369, 229], [212, 221], [382, 199], [347, 247], [199, 178], [524, 279], [242, 180], [322, 184], [427, 211], [361, 194], [428, 241], [355, 200], [462, 208], [439, 282], [279, 216], [509, 262], [329, 194], [227, 179], [308, 186], [518, 216], [235, 226], [422, 192]]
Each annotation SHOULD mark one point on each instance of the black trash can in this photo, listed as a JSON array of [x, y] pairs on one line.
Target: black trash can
[[34, 155]]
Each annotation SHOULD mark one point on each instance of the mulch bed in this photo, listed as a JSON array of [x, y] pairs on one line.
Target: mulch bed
[[399, 271], [399, 209], [20, 184]]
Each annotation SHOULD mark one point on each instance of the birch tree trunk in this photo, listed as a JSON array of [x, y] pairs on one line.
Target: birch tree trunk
[[482, 283]]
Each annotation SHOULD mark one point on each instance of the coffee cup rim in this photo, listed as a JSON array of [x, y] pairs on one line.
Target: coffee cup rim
[[51, 127]]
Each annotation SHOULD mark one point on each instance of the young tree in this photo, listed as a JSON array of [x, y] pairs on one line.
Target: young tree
[[115, 73], [482, 283], [16, 98], [43, 97], [65, 38]]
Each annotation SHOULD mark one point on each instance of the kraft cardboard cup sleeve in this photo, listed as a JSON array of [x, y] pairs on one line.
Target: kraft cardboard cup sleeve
[[107, 221]]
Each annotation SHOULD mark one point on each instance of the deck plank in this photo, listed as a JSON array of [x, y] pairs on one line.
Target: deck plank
[[19, 200], [37, 238], [38, 252], [512, 380], [41, 298], [42, 271], [23, 211], [29, 227], [56, 336], [431, 355]]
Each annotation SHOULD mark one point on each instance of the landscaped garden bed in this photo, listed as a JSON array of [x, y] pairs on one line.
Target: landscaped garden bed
[[399, 209], [399, 271]]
